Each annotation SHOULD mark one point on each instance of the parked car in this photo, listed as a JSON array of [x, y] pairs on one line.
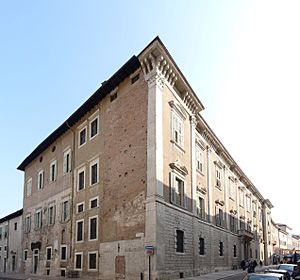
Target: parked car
[[280, 271], [292, 269], [266, 276]]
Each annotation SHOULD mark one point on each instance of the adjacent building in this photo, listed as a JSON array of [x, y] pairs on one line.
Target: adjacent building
[[136, 182], [10, 243]]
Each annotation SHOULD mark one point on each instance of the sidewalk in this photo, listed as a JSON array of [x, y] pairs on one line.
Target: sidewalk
[[228, 273], [210, 276]]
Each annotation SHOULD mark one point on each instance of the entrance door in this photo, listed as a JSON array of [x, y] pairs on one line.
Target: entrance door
[[35, 260]]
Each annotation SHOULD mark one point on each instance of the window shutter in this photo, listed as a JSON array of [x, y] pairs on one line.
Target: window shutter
[[186, 199], [70, 161], [172, 187], [65, 163], [54, 213]]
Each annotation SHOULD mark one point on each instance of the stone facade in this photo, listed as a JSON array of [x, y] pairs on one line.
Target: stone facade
[[10, 243], [137, 166]]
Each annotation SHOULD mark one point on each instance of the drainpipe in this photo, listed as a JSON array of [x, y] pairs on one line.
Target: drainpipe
[[72, 249]]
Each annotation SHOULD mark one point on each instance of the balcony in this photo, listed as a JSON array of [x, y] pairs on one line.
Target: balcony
[[245, 234]]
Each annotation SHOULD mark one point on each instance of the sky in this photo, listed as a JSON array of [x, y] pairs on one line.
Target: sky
[[242, 58]]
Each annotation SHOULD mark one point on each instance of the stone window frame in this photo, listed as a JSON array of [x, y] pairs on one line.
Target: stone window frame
[[83, 207], [89, 229], [40, 179], [76, 231], [28, 187], [53, 171], [79, 171], [92, 199], [90, 253], [65, 218], [201, 197], [218, 174], [67, 161], [51, 253], [38, 223], [75, 261], [199, 160], [93, 163], [232, 188], [184, 244], [60, 253], [173, 178], [51, 205], [27, 223], [220, 221], [92, 119], [80, 130]]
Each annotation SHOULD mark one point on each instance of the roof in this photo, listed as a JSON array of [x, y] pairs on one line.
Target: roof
[[128, 68], [11, 216]]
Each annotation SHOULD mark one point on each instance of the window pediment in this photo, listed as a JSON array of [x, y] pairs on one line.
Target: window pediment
[[220, 202], [179, 109], [203, 190], [177, 167]]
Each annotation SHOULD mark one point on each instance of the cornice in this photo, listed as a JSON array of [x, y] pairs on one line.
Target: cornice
[[156, 58]]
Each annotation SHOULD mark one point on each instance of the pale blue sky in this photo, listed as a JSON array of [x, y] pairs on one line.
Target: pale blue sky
[[240, 57]]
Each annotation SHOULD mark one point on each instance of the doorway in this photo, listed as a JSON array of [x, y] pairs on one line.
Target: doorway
[[35, 260]]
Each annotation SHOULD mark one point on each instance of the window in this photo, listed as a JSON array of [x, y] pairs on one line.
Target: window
[[93, 228], [0, 233], [232, 222], [81, 179], [80, 207], [92, 260], [40, 180], [201, 209], [38, 219], [79, 230], [65, 214], [82, 136], [219, 216], [5, 231], [29, 187], [94, 202], [221, 249], [53, 171], [135, 78], [218, 177], [201, 246], [248, 202], [27, 223], [199, 160], [179, 241], [177, 191], [78, 261], [94, 172], [94, 127], [177, 130], [25, 254], [63, 272], [49, 253], [51, 215], [234, 251], [242, 198], [16, 226], [113, 96], [231, 189], [63, 252], [67, 161]]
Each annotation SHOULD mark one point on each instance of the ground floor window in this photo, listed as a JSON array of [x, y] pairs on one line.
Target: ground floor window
[[78, 261], [179, 241]]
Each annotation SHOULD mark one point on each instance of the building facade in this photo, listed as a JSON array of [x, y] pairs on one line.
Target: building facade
[[10, 243], [135, 182]]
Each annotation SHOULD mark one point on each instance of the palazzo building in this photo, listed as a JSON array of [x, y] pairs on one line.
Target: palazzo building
[[136, 182]]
